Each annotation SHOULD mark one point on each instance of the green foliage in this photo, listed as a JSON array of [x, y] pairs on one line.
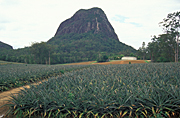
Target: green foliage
[[162, 59], [41, 52], [164, 48], [161, 49], [86, 46], [132, 55], [18, 55], [147, 61], [171, 25], [117, 57], [135, 90], [142, 51], [102, 58]]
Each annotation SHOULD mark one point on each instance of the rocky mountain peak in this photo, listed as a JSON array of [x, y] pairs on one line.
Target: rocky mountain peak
[[92, 20]]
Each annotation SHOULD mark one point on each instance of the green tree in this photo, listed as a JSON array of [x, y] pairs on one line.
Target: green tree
[[7, 58], [171, 25], [102, 57], [41, 52], [161, 49], [132, 55], [49, 48], [142, 51], [121, 56], [13, 59], [152, 48]]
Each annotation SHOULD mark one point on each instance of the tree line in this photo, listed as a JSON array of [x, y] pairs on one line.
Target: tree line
[[45, 53], [164, 47], [70, 48]]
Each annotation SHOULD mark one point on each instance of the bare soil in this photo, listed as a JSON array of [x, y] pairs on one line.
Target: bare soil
[[111, 62], [121, 62], [6, 96], [82, 63]]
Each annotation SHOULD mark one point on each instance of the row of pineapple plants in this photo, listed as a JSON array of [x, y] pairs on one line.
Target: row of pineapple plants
[[6, 62], [15, 75], [106, 91]]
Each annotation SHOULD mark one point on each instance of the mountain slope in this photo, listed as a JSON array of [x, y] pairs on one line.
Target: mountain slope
[[5, 46], [89, 42]]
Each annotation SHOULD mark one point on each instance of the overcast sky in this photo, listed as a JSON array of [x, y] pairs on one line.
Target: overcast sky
[[134, 21]]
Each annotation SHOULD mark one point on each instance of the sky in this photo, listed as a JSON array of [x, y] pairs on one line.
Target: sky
[[134, 21]]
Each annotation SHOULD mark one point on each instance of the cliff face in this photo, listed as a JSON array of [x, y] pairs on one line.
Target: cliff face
[[83, 21]]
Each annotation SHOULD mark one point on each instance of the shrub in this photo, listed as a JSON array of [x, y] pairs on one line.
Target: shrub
[[103, 58]]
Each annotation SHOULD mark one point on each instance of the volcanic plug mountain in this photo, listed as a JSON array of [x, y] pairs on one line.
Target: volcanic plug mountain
[[83, 21], [87, 34]]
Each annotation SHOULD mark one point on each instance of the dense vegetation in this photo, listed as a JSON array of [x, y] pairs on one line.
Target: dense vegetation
[[138, 90], [88, 46], [15, 75], [67, 49], [89, 41], [165, 47]]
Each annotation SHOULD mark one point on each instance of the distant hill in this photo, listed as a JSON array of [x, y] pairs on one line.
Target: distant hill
[[88, 31], [5, 46]]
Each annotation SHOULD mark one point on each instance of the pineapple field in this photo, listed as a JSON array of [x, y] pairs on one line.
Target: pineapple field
[[105, 91], [16, 75]]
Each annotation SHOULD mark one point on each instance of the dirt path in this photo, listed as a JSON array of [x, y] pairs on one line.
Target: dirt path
[[111, 62], [82, 63], [5, 96], [121, 62]]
